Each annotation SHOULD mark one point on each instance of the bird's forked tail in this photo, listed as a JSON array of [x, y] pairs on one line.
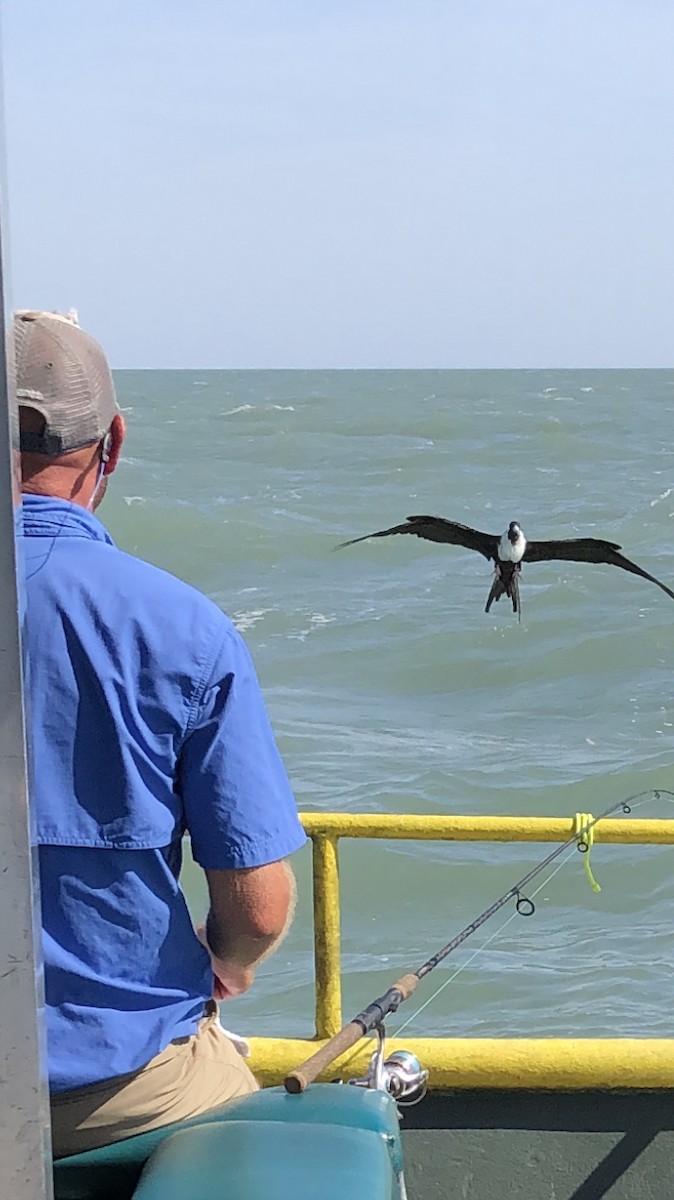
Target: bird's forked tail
[[498, 589], [508, 586]]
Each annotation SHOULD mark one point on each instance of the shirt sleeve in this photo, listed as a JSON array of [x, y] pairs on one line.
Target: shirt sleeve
[[239, 807]]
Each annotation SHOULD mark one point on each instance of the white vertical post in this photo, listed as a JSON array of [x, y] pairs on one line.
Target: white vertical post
[[25, 1160]]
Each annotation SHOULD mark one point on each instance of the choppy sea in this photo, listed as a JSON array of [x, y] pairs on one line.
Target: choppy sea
[[391, 690]]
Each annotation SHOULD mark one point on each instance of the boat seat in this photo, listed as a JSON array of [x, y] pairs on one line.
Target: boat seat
[[112, 1172], [254, 1160]]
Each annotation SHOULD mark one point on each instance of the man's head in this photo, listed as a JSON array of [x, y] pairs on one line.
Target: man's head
[[71, 428]]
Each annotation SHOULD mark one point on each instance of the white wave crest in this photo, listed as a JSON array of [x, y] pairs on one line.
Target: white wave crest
[[248, 620], [261, 407]]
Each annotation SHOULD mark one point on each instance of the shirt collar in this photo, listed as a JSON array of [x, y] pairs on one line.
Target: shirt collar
[[47, 516]]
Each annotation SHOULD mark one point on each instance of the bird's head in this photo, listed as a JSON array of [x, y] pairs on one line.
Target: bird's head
[[514, 531]]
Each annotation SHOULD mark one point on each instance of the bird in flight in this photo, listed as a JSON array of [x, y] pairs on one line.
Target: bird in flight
[[510, 550]]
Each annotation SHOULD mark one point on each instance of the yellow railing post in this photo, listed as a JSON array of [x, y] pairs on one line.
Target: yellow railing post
[[327, 935]]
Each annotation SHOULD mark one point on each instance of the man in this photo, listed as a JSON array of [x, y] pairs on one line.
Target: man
[[147, 722]]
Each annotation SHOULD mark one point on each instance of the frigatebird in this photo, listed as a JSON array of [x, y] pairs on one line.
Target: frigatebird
[[511, 549]]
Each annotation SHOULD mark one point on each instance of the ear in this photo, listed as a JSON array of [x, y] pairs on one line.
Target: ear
[[117, 435]]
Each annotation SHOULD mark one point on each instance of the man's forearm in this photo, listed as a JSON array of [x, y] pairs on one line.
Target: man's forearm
[[245, 935]]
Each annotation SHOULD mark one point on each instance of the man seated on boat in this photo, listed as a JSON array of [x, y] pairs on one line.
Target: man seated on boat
[[147, 722]]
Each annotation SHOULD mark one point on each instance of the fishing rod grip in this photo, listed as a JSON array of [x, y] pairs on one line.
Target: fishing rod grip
[[302, 1076]]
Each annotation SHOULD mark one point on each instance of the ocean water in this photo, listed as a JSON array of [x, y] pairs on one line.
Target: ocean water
[[391, 690]]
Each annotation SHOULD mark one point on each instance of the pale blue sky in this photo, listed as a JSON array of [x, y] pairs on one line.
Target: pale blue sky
[[306, 183]]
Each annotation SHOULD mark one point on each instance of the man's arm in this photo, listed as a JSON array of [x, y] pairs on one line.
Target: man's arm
[[250, 913]]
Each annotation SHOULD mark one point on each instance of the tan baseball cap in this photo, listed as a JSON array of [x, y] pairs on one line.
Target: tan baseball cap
[[63, 374]]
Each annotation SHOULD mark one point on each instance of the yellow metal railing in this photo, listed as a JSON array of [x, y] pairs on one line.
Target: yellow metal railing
[[326, 829], [545, 1063]]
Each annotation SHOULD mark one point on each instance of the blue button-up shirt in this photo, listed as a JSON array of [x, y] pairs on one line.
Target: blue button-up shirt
[[147, 723]]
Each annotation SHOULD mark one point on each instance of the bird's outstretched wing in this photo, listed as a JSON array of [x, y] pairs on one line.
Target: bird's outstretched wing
[[437, 529], [593, 550]]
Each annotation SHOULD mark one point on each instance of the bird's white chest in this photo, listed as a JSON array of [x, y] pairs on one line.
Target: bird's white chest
[[512, 551]]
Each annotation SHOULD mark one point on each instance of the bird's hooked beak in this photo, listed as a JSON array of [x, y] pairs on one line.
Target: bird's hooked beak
[[514, 531]]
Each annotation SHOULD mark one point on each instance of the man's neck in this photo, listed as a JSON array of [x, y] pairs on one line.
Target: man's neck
[[62, 483]]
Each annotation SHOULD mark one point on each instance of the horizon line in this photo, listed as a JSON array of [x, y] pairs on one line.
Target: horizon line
[[297, 370]]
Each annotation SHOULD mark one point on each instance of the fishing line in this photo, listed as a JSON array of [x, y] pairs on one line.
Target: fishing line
[[583, 840], [492, 937], [523, 904]]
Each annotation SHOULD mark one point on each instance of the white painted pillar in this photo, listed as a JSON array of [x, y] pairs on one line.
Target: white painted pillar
[[25, 1161]]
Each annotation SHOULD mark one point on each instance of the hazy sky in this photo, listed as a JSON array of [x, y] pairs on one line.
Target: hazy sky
[[346, 183]]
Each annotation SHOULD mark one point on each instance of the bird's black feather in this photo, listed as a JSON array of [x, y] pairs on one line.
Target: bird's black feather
[[437, 529], [592, 550]]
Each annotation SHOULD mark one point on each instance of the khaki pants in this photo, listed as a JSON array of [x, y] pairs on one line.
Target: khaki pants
[[191, 1076]]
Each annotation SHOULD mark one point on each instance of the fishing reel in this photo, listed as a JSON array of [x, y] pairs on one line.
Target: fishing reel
[[400, 1075]]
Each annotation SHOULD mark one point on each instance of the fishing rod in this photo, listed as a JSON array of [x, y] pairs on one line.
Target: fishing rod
[[372, 1017]]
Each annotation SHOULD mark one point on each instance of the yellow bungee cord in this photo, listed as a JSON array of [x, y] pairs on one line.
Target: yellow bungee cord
[[583, 828]]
